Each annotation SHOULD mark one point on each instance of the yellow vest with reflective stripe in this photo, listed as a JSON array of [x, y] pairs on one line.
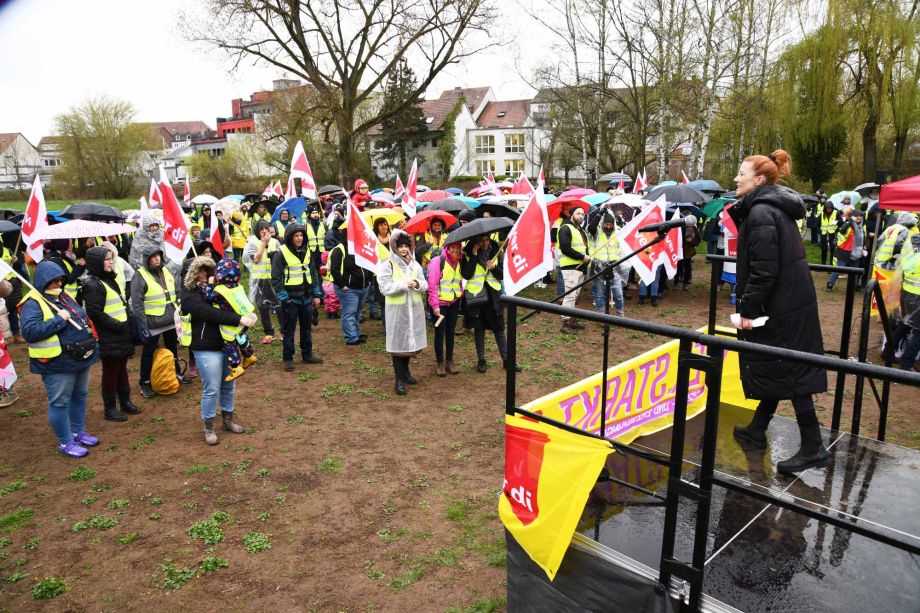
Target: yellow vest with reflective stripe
[[7, 256], [383, 252], [238, 235], [577, 243], [828, 224], [328, 276], [263, 268], [185, 330], [449, 288], [73, 287], [910, 266], [400, 298], [889, 238], [604, 249], [437, 244], [45, 348], [157, 296], [477, 285], [238, 300], [297, 272], [279, 229], [315, 240], [114, 304]]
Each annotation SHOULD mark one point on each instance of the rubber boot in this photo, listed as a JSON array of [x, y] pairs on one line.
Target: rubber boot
[[111, 411], [147, 390], [812, 451], [407, 376], [210, 436], [440, 370], [399, 386], [754, 435], [451, 369], [127, 407], [229, 424], [481, 365]]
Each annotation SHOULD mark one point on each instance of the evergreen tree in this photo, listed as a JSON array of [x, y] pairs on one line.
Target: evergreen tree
[[404, 129]]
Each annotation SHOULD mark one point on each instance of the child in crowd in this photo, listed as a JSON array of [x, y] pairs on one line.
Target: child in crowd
[[225, 292], [330, 301]]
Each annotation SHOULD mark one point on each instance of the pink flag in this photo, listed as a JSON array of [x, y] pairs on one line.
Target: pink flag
[[187, 196], [490, 177], [300, 168], [176, 237], [277, 190], [34, 221], [541, 179], [530, 252], [621, 187], [399, 189], [640, 183], [522, 186], [684, 180], [214, 238], [291, 191], [156, 198], [409, 201], [362, 242]]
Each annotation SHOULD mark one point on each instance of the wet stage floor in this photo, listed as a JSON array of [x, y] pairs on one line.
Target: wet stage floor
[[764, 558]]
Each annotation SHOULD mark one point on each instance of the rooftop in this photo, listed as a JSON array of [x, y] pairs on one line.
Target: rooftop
[[504, 114]]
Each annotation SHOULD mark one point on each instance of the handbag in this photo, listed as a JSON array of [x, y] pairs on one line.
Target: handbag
[[83, 350]]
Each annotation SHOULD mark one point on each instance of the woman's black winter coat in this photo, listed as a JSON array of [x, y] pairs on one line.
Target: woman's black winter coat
[[774, 280], [114, 336]]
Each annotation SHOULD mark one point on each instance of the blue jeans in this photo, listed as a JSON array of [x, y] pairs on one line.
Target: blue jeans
[[848, 261], [560, 282], [67, 402], [616, 290], [654, 288], [213, 368], [352, 301]]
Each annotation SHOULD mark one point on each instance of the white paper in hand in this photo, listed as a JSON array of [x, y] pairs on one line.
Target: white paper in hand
[[736, 320]]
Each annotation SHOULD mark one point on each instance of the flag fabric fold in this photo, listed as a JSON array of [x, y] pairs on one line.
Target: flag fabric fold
[[155, 198], [187, 196], [529, 250], [176, 237], [300, 169], [214, 237], [409, 201], [34, 222], [667, 253], [362, 241]]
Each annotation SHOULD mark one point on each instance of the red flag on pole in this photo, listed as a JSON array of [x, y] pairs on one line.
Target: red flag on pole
[[621, 187], [7, 370], [267, 192], [522, 186], [399, 189], [409, 202], [176, 237], [666, 253], [291, 191], [530, 252], [541, 179], [187, 196], [640, 183], [277, 190], [490, 178], [34, 222], [362, 242], [300, 168], [214, 238], [684, 178], [156, 198]]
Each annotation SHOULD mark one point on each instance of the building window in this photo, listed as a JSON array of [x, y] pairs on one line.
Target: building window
[[514, 143], [485, 166], [514, 166], [485, 144]]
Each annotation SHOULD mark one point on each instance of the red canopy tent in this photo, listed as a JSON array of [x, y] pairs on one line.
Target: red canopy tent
[[901, 195]]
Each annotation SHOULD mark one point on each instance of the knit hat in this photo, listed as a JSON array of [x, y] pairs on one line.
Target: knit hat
[[403, 239], [227, 272]]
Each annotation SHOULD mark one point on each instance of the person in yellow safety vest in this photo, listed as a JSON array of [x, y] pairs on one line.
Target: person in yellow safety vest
[[299, 289], [909, 264], [605, 248], [62, 350], [851, 241], [376, 302], [224, 292], [573, 244], [316, 234], [260, 214], [257, 256], [351, 284], [247, 218], [893, 240], [557, 270], [108, 310], [403, 283], [60, 251], [15, 295], [284, 219], [431, 243], [828, 232], [153, 302], [239, 232], [445, 287]]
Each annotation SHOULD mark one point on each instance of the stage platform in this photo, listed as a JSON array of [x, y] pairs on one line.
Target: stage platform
[[761, 557]]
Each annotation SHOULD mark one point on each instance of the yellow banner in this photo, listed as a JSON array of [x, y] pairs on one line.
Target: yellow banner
[[548, 475]]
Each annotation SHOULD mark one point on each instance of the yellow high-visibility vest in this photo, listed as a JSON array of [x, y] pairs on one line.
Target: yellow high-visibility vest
[[481, 277], [114, 304], [297, 272], [316, 239], [829, 223], [45, 348], [910, 266], [238, 300], [263, 268], [400, 298], [577, 243], [157, 296], [449, 288], [74, 286], [605, 250]]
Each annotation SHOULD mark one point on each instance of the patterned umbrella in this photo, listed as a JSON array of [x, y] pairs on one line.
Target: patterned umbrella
[[82, 228], [434, 195]]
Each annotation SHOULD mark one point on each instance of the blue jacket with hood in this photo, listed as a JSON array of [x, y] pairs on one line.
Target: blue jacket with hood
[[34, 328]]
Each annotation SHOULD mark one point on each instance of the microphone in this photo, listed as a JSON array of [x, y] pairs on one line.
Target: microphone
[[664, 226]]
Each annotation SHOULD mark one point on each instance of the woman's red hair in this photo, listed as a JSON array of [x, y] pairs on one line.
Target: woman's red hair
[[771, 167]]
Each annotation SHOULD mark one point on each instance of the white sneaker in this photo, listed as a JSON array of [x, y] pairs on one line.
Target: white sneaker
[[540, 285]]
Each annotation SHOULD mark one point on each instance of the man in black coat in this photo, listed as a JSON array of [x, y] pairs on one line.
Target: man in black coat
[[352, 285], [774, 281]]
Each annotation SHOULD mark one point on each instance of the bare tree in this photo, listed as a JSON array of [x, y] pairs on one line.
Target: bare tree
[[346, 49]]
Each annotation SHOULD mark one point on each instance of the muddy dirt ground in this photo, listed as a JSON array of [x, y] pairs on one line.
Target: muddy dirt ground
[[365, 500]]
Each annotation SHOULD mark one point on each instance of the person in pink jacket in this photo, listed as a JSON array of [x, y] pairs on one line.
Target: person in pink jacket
[[444, 291]]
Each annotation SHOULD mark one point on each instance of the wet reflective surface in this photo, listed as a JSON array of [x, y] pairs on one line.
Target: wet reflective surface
[[761, 557]]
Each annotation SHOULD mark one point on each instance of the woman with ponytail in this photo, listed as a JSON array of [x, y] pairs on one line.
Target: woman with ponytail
[[774, 281]]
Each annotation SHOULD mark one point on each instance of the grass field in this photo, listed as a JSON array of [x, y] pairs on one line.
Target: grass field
[[56, 205]]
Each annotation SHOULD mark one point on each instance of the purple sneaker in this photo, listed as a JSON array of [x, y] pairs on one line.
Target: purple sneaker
[[85, 439], [73, 450]]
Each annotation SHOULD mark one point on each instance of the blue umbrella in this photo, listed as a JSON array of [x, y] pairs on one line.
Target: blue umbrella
[[597, 199], [707, 185], [456, 191], [296, 206], [236, 197], [547, 198]]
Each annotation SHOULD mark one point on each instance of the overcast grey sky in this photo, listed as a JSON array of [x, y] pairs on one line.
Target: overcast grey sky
[[58, 53]]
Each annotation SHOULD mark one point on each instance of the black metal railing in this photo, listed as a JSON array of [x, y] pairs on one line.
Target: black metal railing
[[873, 290], [692, 572]]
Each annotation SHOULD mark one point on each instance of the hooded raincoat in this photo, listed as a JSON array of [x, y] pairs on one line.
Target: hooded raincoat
[[405, 307], [144, 241]]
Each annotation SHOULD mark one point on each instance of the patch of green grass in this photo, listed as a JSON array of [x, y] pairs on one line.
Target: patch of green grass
[[49, 587], [263, 472], [154, 516], [99, 522], [155, 501], [100, 487], [221, 517], [127, 539], [337, 389], [118, 503], [494, 550], [173, 577], [407, 578], [198, 468], [9, 488], [242, 467], [207, 530], [376, 370], [389, 507], [295, 420], [455, 408], [24, 413], [458, 510], [145, 441], [32, 543], [331, 464], [213, 563], [483, 605], [254, 542], [82, 473], [305, 377], [5, 541], [376, 573], [112, 448], [18, 575], [264, 516], [14, 520], [157, 419]]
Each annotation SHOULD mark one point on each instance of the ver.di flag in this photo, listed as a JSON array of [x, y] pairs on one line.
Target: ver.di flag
[[215, 239], [155, 198], [362, 241], [34, 222], [409, 202], [549, 474], [666, 253], [176, 237], [530, 252], [291, 191], [187, 195], [300, 168]]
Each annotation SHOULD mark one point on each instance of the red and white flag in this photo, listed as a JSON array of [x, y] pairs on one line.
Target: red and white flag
[[621, 187], [291, 191], [300, 168], [277, 190], [187, 196], [176, 237], [267, 192], [214, 237], [399, 189], [684, 178], [409, 202], [541, 179], [7, 370], [530, 252], [35, 221], [144, 207], [155, 198], [667, 253], [490, 178], [640, 183], [522, 186], [362, 242]]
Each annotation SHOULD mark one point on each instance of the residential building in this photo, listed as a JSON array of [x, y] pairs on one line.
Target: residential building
[[49, 147], [19, 161]]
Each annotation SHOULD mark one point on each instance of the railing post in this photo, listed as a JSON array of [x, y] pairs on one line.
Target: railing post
[[511, 370], [714, 278], [845, 330]]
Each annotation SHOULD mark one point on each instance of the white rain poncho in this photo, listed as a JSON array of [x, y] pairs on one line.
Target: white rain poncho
[[405, 308], [144, 240], [261, 293]]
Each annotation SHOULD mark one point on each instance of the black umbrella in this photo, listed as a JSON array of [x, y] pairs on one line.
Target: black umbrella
[[93, 211], [498, 208], [8, 226], [478, 227], [7, 213], [271, 205], [685, 209], [809, 198], [251, 197], [454, 206], [678, 193], [329, 189], [729, 195]]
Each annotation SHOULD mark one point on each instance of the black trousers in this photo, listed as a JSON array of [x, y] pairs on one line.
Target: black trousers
[[291, 315], [444, 334]]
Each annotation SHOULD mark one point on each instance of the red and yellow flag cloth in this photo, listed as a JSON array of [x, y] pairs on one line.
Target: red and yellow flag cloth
[[549, 473]]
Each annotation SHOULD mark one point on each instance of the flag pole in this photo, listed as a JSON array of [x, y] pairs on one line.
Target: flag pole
[[42, 296]]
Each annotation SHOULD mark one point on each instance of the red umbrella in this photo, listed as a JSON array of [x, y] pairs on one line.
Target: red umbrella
[[577, 192], [422, 222], [554, 209], [434, 195]]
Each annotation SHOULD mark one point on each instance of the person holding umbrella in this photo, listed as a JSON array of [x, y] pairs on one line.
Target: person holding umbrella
[[431, 243], [573, 244], [444, 292]]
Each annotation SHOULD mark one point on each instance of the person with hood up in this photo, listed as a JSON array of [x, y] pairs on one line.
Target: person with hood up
[[851, 243], [774, 281], [299, 288], [62, 348], [352, 284], [909, 264], [893, 240], [361, 194], [60, 251], [153, 302], [107, 308], [239, 232], [573, 244], [257, 256], [402, 282], [444, 291], [605, 248], [149, 235], [827, 232], [284, 220], [207, 343], [225, 293]]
